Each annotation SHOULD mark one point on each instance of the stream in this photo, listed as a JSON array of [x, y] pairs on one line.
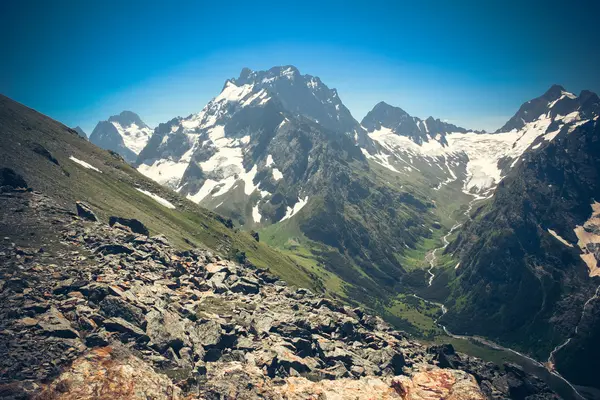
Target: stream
[[545, 372], [431, 257]]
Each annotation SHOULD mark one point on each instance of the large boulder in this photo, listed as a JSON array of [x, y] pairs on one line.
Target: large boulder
[[447, 384], [166, 330], [133, 224], [84, 211], [113, 306], [10, 179], [54, 323]]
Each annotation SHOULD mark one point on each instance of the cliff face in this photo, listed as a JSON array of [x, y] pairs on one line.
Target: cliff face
[[94, 310], [528, 272]]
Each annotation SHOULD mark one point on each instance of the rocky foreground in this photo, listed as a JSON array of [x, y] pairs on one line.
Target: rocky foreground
[[89, 310]]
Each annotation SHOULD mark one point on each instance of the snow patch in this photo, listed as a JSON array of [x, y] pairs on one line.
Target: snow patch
[[158, 199], [134, 137], [277, 175], [166, 172], [291, 211], [256, 214], [269, 161], [84, 164]]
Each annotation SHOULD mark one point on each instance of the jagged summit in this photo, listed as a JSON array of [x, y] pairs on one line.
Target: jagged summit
[[127, 118], [401, 123], [304, 95], [554, 92], [124, 133], [555, 104]]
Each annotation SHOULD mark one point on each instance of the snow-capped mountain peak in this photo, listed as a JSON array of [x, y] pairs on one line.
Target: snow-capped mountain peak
[[124, 133], [304, 95]]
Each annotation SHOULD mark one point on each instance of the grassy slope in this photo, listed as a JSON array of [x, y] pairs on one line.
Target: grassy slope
[[113, 192]]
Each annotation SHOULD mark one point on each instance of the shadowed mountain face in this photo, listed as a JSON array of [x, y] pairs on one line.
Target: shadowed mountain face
[[528, 271], [125, 134], [556, 101]]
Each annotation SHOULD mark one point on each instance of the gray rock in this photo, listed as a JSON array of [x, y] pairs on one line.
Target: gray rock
[[166, 329], [84, 211], [117, 324], [133, 224], [244, 286], [53, 323], [113, 306]]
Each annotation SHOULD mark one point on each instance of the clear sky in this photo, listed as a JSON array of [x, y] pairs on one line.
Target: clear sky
[[470, 62]]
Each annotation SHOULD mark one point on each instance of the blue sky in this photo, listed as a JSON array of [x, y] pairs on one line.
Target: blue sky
[[470, 62]]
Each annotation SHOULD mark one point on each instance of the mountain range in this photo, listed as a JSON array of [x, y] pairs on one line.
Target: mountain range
[[437, 228]]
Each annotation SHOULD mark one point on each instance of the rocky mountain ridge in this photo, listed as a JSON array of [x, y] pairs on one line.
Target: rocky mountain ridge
[[401, 123], [528, 261], [475, 160]]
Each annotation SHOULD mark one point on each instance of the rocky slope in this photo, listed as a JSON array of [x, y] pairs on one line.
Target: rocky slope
[[125, 134], [528, 262], [54, 159], [91, 310]]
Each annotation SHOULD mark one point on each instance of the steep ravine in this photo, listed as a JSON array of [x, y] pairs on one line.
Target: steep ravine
[[550, 361]]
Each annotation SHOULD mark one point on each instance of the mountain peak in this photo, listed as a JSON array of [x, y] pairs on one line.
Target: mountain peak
[[287, 71], [301, 94], [554, 92], [383, 107], [127, 118], [555, 103], [80, 132], [401, 123], [124, 133]]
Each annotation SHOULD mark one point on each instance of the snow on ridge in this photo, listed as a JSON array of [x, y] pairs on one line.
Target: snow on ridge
[[84, 164], [483, 151], [233, 93], [288, 73], [160, 200], [291, 211], [134, 137], [165, 171]]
